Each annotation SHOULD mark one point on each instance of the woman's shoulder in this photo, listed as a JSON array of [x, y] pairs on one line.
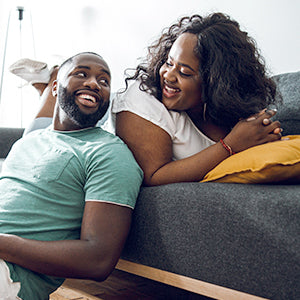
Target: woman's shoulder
[[136, 97], [144, 105]]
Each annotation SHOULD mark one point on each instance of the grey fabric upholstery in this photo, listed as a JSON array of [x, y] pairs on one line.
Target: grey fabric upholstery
[[289, 113], [244, 237], [7, 137]]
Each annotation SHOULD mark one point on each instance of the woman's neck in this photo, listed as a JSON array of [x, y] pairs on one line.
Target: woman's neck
[[212, 131]]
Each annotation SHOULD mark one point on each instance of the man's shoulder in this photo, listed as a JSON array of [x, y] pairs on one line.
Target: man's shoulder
[[101, 136], [100, 142], [108, 152]]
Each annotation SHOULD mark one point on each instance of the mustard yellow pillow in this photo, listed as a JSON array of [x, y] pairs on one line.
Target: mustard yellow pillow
[[272, 162]]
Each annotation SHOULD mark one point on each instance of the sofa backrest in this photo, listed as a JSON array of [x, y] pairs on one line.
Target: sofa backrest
[[289, 112]]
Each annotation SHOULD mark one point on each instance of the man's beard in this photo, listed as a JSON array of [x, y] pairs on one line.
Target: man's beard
[[66, 101]]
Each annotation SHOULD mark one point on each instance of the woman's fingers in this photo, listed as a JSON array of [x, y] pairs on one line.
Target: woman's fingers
[[257, 129], [271, 112], [275, 128], [263, 118], [267, 113]]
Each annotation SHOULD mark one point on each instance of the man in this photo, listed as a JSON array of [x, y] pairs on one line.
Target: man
[[67, 192]]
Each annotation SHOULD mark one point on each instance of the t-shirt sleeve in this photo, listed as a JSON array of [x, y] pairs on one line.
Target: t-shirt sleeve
[[144, 105], [113, 176]]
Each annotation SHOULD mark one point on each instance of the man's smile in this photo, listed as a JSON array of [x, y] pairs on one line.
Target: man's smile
[[89, 99]]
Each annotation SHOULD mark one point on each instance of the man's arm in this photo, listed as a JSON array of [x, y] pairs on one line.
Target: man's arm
[[104, 231]]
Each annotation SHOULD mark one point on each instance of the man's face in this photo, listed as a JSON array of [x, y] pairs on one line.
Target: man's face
[[84, 90]]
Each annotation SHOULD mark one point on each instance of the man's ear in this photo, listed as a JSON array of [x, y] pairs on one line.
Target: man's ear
[[54, 88]]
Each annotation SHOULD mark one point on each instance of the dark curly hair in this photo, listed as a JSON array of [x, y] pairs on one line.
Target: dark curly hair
[[234, 79]]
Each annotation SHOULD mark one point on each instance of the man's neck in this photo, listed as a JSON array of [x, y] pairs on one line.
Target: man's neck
[[61, 122]]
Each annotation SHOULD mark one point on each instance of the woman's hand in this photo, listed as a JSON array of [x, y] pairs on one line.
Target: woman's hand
[[255, 130]]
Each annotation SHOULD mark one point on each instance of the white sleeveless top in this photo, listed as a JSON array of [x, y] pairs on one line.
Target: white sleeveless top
[[186, 137]]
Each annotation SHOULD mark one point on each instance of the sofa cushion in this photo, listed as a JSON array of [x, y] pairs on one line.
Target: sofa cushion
[[289, 113], [272, 162]]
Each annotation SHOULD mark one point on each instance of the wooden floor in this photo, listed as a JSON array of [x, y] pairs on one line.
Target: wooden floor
[[121, 286]]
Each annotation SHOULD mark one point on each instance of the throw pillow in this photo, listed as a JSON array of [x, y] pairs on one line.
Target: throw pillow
[[268, 163]]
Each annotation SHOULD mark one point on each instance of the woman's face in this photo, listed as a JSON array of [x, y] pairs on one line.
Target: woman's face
[[179, 75]]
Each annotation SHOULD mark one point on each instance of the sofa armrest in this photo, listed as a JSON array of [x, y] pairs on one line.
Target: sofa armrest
[[8, 136]]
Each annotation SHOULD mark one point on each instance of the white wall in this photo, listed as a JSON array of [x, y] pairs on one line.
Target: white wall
[[121, 30]]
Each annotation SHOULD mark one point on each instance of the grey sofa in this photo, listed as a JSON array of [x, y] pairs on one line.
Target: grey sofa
[[218, 238]]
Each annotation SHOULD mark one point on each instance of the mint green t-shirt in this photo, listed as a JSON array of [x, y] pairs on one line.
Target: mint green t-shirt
[[45, 181]]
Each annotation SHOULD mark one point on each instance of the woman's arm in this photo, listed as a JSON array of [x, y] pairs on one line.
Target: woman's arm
[[104, 230], [152, 148]]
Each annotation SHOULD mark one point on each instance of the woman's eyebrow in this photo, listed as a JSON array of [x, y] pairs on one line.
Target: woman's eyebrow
[[184, 65]]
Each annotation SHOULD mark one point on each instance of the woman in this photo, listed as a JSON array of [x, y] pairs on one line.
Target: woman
[[199, 98]]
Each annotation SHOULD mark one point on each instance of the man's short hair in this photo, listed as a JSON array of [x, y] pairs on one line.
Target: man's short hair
[[70, 59]]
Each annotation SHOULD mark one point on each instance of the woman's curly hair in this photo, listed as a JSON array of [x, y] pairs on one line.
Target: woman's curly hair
[[234, 80]]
